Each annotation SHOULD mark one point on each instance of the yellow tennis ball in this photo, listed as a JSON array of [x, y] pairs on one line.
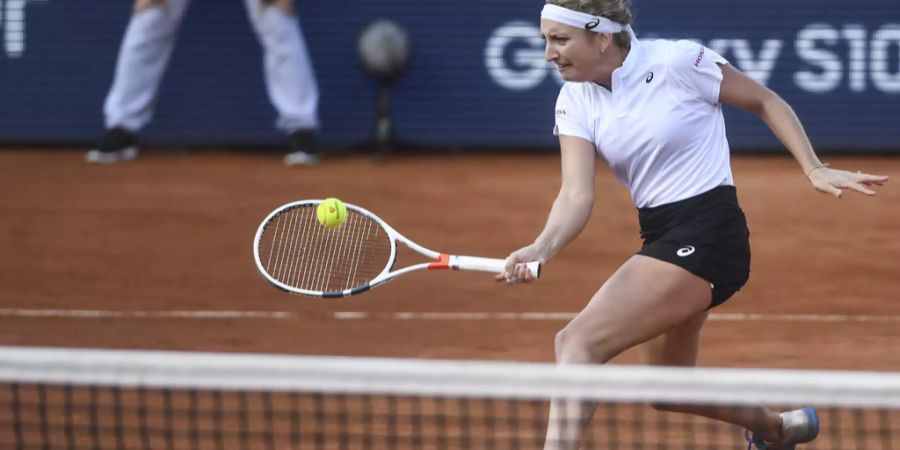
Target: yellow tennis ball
[[331, 213]]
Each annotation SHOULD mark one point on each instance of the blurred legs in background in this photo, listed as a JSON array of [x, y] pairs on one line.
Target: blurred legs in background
[[290, 80], [144, 56]]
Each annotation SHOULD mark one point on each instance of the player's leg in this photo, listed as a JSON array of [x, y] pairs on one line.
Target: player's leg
[[642, 300], [290, 78], [679, 347], [142, 60]]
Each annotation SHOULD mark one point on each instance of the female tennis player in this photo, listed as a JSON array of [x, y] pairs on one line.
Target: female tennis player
[[652, 111]]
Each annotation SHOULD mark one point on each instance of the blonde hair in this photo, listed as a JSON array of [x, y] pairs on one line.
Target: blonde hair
[[615, 10]]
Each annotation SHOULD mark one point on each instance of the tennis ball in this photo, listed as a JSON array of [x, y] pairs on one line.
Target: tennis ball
[[331, 213]]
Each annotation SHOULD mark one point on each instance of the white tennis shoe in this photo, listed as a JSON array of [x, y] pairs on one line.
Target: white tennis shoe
[[798, 426]]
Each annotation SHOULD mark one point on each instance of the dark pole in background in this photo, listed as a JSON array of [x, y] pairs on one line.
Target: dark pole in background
[[384, 51]]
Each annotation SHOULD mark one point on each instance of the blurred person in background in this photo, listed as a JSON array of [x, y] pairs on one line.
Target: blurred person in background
[[652, 110], [144, 55]]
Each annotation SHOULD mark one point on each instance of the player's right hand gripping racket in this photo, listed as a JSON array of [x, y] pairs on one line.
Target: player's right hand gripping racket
[[297, 254]]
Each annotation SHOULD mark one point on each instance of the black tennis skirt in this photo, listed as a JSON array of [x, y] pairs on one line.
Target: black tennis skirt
[[706, 235]]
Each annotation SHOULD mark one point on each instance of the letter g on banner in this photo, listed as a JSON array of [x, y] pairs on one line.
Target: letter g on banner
[[514, 56]]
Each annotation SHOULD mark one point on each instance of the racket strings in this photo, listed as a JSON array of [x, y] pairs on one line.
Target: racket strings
[[303, 254]]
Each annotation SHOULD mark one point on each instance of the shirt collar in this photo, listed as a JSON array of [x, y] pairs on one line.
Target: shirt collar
[[632, 60]]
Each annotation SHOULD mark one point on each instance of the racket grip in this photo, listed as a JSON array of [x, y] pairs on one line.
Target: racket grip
[[489, 265]]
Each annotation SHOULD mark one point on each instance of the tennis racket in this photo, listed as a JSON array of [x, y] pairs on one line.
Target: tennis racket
[[297, 254]]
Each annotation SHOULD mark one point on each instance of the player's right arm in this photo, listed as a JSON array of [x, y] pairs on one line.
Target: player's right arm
[[569, 214], [572, 207]]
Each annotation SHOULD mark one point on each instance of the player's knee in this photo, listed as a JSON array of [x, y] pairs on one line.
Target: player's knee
[[286, 6], [574, 346], [558, 343], [151, 27], [143, 5], [273, 27]]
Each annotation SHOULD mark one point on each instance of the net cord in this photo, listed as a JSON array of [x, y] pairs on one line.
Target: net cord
[[467, 379]]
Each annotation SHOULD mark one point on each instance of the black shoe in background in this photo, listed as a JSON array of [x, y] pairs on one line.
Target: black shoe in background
[[302, 149], [117, 145]]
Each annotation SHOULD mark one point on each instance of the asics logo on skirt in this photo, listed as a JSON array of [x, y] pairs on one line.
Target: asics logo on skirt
[[685, 251]]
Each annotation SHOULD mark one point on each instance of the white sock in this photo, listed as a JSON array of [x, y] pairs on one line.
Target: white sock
[[290, 79], [143, 57]]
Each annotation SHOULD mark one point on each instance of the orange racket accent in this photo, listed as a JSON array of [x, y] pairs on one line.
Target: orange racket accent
[[443, 263]]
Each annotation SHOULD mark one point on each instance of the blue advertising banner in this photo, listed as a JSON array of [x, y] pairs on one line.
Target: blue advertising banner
[[477, 75]]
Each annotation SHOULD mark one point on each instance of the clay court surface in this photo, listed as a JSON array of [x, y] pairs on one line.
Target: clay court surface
[[156, 254]]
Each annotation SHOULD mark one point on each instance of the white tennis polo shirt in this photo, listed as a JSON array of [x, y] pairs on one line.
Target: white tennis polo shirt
[[661, 128]]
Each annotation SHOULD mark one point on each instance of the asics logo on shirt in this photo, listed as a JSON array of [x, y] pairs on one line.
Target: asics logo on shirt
[[649, 78], [685, 251]]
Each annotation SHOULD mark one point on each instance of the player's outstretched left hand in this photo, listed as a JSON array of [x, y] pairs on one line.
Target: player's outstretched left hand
[[834, 181]]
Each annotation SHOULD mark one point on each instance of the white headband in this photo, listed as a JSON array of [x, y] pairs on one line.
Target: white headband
[[582, 20]]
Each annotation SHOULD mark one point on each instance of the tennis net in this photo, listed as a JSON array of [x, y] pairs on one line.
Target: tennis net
[[103, 399]]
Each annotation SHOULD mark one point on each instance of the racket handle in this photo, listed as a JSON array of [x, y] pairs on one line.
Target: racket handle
[[489, 265]]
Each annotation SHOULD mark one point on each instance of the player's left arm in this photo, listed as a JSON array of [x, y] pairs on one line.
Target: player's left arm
[[743, 92]]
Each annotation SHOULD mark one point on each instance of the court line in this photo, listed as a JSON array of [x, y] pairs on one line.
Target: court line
[[470, 316]]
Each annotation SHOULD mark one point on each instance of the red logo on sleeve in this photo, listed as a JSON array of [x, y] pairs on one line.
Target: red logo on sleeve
[[699, 57]]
